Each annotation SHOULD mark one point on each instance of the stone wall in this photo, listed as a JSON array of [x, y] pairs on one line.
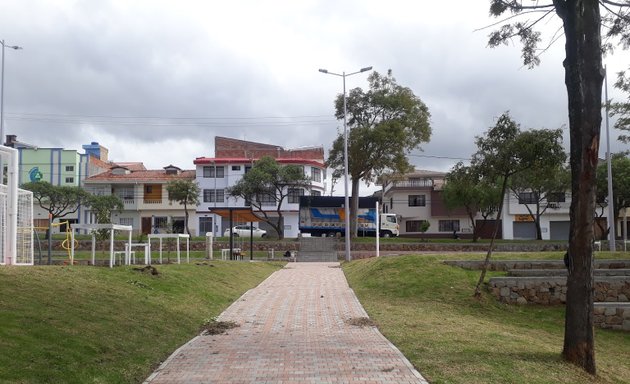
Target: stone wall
[[612, 316], [553, 290], [505, 265]]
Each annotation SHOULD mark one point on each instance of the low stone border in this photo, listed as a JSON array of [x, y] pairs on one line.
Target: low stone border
[[553, 290], [563, 272], [505, 265], [612, 315]]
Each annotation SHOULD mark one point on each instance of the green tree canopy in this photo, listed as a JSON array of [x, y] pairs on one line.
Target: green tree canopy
[[547, 179], [465, 188], [185, 192], [269, 183], [505, 151], [622, 109], [58, 201], [385, 123]]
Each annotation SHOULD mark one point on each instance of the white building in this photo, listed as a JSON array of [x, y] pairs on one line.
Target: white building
[[233, 158]]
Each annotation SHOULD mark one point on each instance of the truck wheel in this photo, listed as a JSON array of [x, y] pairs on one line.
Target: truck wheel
[[386, 234], [331, 234]]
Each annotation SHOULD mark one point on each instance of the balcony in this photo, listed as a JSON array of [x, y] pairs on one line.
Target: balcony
[[152, 201]]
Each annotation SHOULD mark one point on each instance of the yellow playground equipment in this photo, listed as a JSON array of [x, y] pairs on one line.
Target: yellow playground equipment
[[66, 243]]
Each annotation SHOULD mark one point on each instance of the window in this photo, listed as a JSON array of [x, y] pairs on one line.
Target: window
[[205, 224], [316, 193], [449, 225], [69, 179], [248, 168], [556, 197], [69, 168], [316, 174], [125, 221], [528, 198], [148, 189], [214, 172], [413, 225], [294, 195], [213, 195], [236, 167], [267, 199], [417, 201], [160, 222]]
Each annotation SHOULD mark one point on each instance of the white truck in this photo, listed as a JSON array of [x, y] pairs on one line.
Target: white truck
[[325, 216]]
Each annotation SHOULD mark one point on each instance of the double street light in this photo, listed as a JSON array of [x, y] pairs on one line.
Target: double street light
[[4, 45], [345, 153]]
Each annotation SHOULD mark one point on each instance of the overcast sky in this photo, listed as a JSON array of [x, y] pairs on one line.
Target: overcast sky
[[155, 81]]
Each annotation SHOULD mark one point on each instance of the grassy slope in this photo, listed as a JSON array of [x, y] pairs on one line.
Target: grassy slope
[[427, 310], [100, 325]]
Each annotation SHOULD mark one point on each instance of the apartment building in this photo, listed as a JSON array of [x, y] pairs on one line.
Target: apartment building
[[416, 198], [233, 158], [60, 167], [143, 192]]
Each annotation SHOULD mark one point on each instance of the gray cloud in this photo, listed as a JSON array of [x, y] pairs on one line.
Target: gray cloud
[[155, 81]]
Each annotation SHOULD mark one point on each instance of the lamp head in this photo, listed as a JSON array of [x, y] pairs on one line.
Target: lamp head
[[365, 69], [323, 70]]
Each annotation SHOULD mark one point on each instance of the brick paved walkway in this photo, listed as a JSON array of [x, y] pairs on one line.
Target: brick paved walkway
[[293, 329]]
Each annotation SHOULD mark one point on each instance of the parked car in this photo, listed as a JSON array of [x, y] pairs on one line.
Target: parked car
[[245, 231]]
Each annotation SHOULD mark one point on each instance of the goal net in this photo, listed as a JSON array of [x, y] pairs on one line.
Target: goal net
[[16, 214]]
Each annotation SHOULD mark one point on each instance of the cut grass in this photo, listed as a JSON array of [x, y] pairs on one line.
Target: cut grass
[[427, 310], [100, 325]]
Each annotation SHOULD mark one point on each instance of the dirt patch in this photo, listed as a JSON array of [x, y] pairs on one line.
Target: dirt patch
[[213, 327], [148, 269], [205, 263], [361, 322]]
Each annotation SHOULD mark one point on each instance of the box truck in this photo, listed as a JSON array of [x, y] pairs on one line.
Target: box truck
[[325, 216]]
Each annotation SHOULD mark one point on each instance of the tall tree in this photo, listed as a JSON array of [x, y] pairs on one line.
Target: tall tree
[[270, 184], [185, 192], [620, 165], [385, 123], [466, 188], [581, 24], [506, 151]]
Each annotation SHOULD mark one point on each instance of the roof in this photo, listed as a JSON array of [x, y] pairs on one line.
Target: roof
[[158, 175], [239, 214], [243, 160], [132, 166]]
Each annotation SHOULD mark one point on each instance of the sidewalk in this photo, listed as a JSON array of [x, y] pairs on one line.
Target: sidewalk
[[292, 329]]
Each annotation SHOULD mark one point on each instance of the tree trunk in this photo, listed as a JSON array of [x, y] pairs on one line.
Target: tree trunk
[[354, 206], [484, 269], [186, 220], [583, 78]]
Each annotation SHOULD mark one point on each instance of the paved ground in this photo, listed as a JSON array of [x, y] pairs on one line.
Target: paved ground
[[293, 329]]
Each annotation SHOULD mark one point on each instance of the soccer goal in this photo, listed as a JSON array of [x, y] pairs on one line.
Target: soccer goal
[[16, 213]]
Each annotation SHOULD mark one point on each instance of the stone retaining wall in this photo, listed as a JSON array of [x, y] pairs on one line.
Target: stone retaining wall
[[612, 316], [564, 272], [553, 290], [505, 265]]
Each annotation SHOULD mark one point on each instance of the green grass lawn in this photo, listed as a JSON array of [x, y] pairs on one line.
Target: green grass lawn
[[100, 325], [427, 310]]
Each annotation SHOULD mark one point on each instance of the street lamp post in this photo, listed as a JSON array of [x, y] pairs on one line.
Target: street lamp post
[[4, 45], [343, 75]]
